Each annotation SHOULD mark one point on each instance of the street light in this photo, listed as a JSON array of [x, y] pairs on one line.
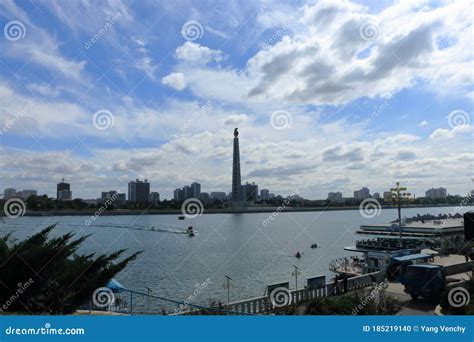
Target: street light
[[295, 273], [227, 285], [399, 195]]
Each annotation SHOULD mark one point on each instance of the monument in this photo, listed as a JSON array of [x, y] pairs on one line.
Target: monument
[[236, 180]]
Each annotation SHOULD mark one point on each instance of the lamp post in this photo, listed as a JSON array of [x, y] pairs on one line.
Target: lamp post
[[295, 273], [399, 195], [228, 287]]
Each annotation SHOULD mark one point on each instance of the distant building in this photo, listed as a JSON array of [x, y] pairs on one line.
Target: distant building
[[376, 195], [25, 194], [63, 191], [139, 191], [264, 195], [117, 198], [271, 195], [178, 195], [195, 190], [204, 195], [335, 196], [9, 193], [154, 197], [65, 195], [362, 194], [219, 195], [387, 196], [249, 192], [438, 193], [188, 192]]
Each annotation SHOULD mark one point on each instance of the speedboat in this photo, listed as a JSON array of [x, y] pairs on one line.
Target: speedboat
[[180, 217], [190, 231], [298, 255]]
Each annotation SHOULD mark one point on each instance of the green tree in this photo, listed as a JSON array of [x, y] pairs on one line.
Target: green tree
[[59, 279]]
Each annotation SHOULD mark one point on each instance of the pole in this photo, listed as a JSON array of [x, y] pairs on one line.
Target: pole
[[228, 288], [296, 276]]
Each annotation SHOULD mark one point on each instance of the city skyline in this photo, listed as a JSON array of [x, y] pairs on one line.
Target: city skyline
[[371, 106]]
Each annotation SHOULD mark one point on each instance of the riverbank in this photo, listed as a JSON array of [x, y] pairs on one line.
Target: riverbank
[[246, 210]]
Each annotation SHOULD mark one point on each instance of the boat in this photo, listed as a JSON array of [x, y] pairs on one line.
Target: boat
[[190, 231], [314, 245], [298, 255], [180, 217]]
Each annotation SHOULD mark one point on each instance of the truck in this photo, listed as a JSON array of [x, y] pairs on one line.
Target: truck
[[423, 280]]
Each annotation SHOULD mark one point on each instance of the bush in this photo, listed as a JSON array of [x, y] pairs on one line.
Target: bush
[[42, 275], [357, 303]]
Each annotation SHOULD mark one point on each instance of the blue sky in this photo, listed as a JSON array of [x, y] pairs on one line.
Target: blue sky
[[329, 96]]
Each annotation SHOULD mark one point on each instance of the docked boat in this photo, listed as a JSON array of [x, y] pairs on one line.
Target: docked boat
[[180, 217]]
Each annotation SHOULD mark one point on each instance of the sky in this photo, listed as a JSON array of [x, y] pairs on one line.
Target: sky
[[327, 95]]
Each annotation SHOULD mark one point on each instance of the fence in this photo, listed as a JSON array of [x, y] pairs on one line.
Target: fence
[[139, 303]]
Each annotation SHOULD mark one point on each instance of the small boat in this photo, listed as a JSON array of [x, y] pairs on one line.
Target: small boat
[[298, 255], [180, 217], [314, 245], [190, 231]]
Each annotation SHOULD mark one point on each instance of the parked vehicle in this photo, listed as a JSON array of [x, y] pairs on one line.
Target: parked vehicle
[[424, 280]]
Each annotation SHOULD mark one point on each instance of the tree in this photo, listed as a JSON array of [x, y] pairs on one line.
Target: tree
[[59, 279]]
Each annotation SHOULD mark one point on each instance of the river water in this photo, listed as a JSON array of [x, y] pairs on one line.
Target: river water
[[238, 245]]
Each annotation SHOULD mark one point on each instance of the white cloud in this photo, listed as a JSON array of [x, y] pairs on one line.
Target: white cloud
[[175, 80], [423, 123], [195, 53], [444, 133]]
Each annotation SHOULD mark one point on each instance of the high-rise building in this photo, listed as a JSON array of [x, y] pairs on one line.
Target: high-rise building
[[139, 191], [154, 197], [249, 192], [362, 193], [438, 193], [264, 195], [187, 192], [178, 195], [236, 180], [335, 196], [218, 195], [9, 193], [63, 191], [196, 190], [204, 195]]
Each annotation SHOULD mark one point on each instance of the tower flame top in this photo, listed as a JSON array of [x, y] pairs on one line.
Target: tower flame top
[[236, 132]]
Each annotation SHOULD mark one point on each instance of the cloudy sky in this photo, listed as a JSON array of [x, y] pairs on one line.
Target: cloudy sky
[[327, 95]]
